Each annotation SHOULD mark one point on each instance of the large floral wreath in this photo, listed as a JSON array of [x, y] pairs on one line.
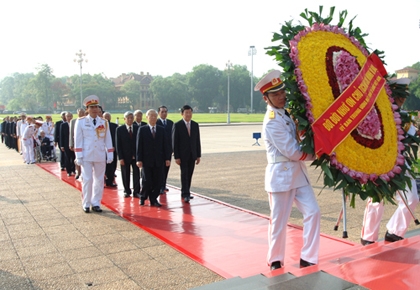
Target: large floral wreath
[[319, 62]]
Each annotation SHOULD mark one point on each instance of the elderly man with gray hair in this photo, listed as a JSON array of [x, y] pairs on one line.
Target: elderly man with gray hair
[[125, 141]]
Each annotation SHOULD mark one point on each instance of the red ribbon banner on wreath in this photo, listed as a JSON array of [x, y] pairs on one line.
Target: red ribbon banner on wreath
[[350, 108]]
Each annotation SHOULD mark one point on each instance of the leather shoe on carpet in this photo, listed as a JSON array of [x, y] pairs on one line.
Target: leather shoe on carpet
[[365, 243], [304, 264], [275, 266], [86, 210], [156, 203], [141, 201], [187, 199], [96, 209], [392, 238]]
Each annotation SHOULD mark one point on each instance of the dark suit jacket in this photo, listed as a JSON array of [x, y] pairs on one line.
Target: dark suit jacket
[[126, 147], [152, 151], [168, 128], [64, 135], [112, 129], [184, 145], [57, 132]]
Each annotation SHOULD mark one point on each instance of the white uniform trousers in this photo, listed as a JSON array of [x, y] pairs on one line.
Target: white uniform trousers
[[93, 183], [399, 221], [29, 155], [281, 206]]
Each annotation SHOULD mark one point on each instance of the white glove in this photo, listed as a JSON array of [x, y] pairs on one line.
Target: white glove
[[78, 161], [109, 157]]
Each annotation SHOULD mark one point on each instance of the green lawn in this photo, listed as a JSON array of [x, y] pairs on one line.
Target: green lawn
[[198, 117]]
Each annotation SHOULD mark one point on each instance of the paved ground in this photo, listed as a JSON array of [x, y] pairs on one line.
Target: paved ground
[[47, 242]]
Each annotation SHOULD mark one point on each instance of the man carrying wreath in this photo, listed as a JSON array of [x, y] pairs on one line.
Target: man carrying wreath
[[286, 177]]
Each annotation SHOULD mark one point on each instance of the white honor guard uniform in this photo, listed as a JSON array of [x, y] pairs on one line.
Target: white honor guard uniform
[[29, 136], [286, 180], [93, 147], [48, 128], [400, 220]]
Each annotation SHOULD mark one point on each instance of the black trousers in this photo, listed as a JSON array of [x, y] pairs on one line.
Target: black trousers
[[165, 177], [69, 160], [152, 182], [126, 176], [187, 170], [110, 171]]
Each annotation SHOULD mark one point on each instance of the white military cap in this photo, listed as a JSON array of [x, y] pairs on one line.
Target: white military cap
[[270, 83]]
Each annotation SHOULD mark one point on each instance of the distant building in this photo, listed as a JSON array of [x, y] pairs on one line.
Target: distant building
[[407, 72], [145, 100]]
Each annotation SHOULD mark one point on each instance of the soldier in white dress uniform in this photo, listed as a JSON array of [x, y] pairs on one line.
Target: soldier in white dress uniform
[[28, 137], [400, 220], [286, 177], [48, 128], [93, 147]]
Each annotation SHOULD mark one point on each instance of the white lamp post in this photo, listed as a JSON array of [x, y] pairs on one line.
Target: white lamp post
[[80, 60], [252, 51], [229, 65]]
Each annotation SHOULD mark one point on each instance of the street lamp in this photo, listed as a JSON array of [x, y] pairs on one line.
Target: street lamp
[[80, 60], [229, 65], [252, 51]]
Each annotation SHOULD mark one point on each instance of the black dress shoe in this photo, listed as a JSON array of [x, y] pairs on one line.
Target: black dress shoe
[[187, 199], [275, 266], [191, 197], [156, 203], [76, 177], [62, 169], [112, 185], [166, 189], [136, 195], [304, 264], [141, 201], [68, 174], [127, 195], [96, 209], [86, 210], [364, 242], [392, 238]]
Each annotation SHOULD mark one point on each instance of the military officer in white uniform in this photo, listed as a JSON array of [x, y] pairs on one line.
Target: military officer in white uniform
[[29, 136], [286, 177], [400, 220], [48, 128], [93, 147]]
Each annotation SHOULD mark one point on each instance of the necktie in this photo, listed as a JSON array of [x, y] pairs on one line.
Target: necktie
[[131, 132], [94, 122], [153, 132], [164, 123], [188, 128]]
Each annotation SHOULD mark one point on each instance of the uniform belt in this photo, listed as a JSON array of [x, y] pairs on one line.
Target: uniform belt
[[277, 159]]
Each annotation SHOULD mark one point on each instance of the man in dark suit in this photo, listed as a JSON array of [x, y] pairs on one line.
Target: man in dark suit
[[57, 139], [138, 117], [187, 149], [125, 140], [153, 152], [167, 124], [65, 145], [111, 167]]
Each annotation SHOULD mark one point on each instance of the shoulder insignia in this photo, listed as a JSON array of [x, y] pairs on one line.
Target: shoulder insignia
[[271, 115]]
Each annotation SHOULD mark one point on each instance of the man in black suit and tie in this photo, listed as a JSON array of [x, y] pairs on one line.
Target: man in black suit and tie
[[153, 152], [65, 145], [187, 149], [111, 167], [125, 140], [57, 139], [167, 124]]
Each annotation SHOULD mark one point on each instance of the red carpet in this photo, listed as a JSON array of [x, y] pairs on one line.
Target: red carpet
[[233, 242]]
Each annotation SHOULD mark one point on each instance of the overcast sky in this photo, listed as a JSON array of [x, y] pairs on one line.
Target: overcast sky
[[168, 36]]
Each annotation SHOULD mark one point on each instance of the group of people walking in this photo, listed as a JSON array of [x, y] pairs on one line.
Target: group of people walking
[[144, 151]]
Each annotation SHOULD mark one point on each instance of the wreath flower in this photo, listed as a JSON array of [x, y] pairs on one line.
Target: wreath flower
[[319, 62]]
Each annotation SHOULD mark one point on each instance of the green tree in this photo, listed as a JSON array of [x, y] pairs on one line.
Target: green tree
[[171, 91], [132, 90], [42, 86], [7, 86], [103, 88], [204, 84]]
